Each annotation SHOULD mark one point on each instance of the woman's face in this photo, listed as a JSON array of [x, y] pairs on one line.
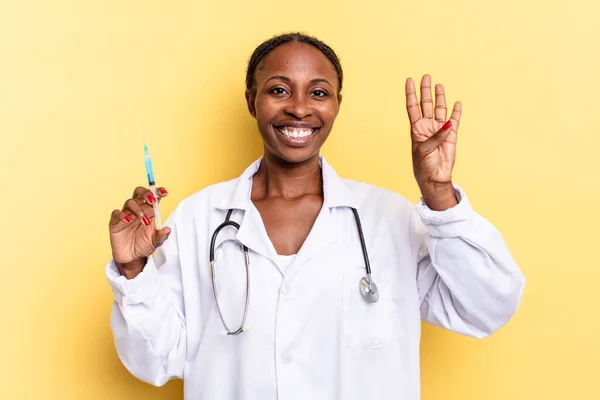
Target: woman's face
[[296, 101]]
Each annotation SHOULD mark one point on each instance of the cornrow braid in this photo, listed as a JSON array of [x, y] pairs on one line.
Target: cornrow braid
[[267, 46]]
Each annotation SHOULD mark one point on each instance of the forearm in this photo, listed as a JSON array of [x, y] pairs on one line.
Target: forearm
[[149, 332], [477, 285], [468, 280]]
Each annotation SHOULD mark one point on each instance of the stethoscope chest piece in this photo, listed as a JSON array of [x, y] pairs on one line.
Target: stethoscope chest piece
[[368, 290]]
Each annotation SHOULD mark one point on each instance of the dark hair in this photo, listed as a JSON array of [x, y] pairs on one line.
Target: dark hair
[[269, 45]]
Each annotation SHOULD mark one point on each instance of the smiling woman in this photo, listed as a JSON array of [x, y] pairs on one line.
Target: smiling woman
[[321, 327], [297, 96]]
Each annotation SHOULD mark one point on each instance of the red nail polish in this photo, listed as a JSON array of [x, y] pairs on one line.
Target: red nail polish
[[151, 198], [128, 218], [163, 191], [447, 125], [146, 220]]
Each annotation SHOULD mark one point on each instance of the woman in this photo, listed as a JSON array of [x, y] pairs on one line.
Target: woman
[[321, 329]]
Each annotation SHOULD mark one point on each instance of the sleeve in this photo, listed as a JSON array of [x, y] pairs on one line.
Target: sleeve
[[468, 282], [148, 317]]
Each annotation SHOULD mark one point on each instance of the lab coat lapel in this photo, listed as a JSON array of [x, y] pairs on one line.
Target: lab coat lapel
[[253, 235], [252, 232]]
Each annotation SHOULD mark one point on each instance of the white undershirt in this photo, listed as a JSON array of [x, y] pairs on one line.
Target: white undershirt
[[283, 261]]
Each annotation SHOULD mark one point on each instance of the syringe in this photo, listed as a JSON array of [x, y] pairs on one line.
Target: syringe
[[152, 185]]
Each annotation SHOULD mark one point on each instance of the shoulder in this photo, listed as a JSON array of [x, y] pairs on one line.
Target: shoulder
[[206, 198], [371, 197], [385, 214]]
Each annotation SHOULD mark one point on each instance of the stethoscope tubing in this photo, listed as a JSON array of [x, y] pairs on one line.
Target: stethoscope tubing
[[368, 288], [226, 223]]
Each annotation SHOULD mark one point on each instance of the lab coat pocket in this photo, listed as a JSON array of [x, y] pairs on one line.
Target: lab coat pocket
[[367, 325]]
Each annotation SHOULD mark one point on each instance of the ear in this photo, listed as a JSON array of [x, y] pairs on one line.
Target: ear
[[250, 98], [339, 101]]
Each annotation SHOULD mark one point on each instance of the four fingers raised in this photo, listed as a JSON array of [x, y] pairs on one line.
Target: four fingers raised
[[426, 108]]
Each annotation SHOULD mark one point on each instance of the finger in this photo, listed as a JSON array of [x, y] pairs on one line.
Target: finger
[[426, 99], [139, 192], [441, 111], [144, 194], [118, 217], [161, 236], [162, 192], [412, 105], [437, 138], [131, 206], [456, 113]]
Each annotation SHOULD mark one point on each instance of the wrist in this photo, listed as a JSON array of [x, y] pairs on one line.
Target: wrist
[[132, 269], [439, 196]]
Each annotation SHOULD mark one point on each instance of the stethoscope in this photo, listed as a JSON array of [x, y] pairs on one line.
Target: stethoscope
[[368, 288]]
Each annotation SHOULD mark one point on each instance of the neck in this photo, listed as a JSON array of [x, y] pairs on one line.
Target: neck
[[277, 178]]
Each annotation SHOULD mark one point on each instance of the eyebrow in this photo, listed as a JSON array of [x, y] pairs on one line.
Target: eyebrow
[[280, 77], [286, 79]]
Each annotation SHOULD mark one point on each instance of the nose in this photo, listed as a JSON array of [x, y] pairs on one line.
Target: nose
[[298, 107]]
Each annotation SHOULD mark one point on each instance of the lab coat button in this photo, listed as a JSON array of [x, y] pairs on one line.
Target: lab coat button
[[287, 358], [286, 289]]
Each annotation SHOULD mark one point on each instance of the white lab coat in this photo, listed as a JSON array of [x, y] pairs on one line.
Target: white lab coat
[[312, 335]]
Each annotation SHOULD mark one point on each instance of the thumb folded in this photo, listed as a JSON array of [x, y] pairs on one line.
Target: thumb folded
[[161, 236], [437, 138]]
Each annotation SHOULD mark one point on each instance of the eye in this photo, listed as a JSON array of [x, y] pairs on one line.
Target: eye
[[277, 90], [319, 93]]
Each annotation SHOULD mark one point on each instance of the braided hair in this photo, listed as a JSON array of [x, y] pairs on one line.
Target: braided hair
[[269, 45]]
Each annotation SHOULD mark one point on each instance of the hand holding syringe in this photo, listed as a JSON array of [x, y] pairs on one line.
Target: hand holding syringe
[[133, 235]]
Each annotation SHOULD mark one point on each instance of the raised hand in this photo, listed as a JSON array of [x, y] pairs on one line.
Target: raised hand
[[433, 142], [133, 236]]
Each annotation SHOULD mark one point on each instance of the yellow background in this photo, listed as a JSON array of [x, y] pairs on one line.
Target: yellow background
[[76, 79]]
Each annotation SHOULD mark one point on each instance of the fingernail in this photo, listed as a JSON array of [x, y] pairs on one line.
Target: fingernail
[[128, 218], [163, 191], [146, 220], [447, 125], [151, 198]]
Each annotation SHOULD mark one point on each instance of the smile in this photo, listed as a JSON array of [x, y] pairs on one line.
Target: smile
[[296, 133]]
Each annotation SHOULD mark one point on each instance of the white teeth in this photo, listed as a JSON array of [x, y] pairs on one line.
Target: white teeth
[[296, 132]]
